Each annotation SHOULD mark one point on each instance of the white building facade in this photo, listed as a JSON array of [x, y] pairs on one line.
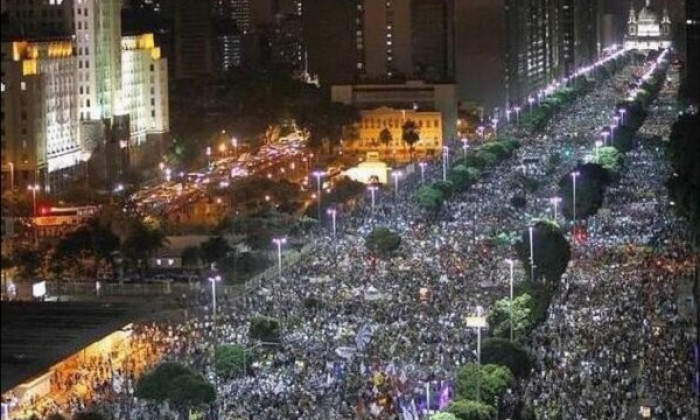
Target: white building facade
[[40, 138], [647, 30]]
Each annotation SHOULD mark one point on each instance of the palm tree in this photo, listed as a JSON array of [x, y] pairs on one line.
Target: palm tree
[[410, 134], [386, 138]]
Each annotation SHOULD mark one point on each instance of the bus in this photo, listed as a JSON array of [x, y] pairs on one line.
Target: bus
[[64, 216]]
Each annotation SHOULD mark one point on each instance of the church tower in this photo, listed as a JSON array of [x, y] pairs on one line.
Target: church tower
[[632, 21]]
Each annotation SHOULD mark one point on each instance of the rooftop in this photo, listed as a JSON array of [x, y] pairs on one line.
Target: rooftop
[[36, 335]]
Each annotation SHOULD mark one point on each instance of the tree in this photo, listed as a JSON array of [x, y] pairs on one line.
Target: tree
[[231, 360], [265, 329], [461, 177], [446, 187], [495, 380], [682, 150], [429, 198], [144, 238], [385, 138], [471, 410], [610, 159], [590, 189], [503, 352], [28, 261], [551, 253], [499, 317], [518, 201], [91, 240], [88, 415], [382, 241], [410, 134], [214, 249], [175, 383], [443, 416]]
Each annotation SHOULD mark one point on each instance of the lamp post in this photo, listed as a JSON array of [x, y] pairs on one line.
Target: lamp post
[[33, 188], [495, 126], [234, 145], [530, 101], [616, 118], [396, 175], [612, 134], [12, 175], [517, 115], [598, 144], [555, 201], [208, 151], [478, 322], [622, 115], [332, 213], [373, 190], [465, 145], [213, 280], [574, 175], [532, 256], [318, 175], [422, 171], [508, 111], [279, 242], [605, 135], [511, 263], [445, 159]]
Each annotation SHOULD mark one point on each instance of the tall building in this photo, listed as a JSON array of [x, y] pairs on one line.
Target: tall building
[[40, 143], [692, 33], [32, 18], [648, 30], [332, 32], [193, 39], [432, 39], [90, 97]]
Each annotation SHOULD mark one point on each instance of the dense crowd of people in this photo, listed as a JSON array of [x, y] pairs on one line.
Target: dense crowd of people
[[382, 334]]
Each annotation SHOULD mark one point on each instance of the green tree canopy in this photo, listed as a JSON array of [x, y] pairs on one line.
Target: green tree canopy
[[230, 360], [610, 159], [429, 198], [443, 416], [460, 177], [503, 352], [499, 317], [495, 380], [471, 410], [214, 249], [265, 329], [551, 253], [447, 188], [383, 241], [175, 383]]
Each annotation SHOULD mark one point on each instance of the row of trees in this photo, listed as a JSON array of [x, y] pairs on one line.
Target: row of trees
[[683, 151], [464, 173]]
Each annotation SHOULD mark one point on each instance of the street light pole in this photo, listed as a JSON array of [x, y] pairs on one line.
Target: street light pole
[[465, 142], [532, 257], [605, 137], [372, 189], [555, 201], [279, 242], [332, 213], [530, 100], [318, 175], [396, 175], [598, 143], [574, 175], [511, 262], [422, 172], [479, 313], [33, 188], [445, 159], [517, 116], [12, 176], [209, 157]]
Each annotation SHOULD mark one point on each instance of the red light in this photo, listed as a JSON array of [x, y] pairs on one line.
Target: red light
[[43, 210]]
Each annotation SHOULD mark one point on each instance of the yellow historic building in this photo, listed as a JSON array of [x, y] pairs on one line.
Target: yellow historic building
[[374, 121]]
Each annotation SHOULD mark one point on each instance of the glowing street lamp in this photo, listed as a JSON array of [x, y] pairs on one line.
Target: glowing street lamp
[[532, 256], [208, 151], [213, 280], [396, 175], [605, 135], [168, 173], [318, 175], [422, 165], [373, 190], [511, 263], [555, 202], [34, 188], [332, 213], [530, 100], [574, 175], [508, 111], [445, 161], [478, 322], [495, 126], [517, 115], [598, 144], [12, 175], [234, 144], [279, 242], [622, 115]]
